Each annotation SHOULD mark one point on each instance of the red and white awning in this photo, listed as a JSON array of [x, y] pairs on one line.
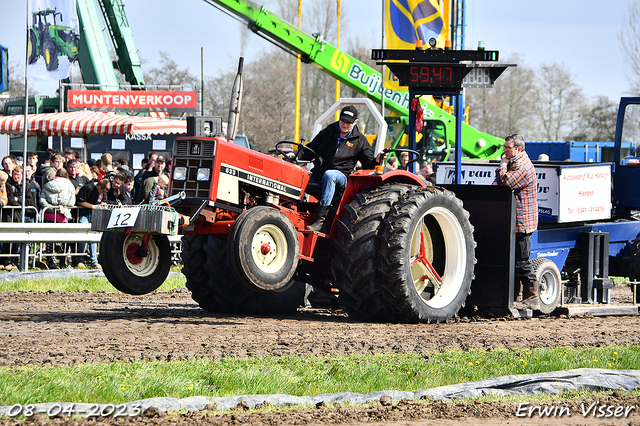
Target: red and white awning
[[90, 123]]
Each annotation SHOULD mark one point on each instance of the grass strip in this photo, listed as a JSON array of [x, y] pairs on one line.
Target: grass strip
[[78, 283], [120, 382]]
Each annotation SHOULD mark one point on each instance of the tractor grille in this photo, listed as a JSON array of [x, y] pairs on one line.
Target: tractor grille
[[188, 148], [191, 186], [193, 154]]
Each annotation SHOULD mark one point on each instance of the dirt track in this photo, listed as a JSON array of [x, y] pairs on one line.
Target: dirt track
[[78, 327]]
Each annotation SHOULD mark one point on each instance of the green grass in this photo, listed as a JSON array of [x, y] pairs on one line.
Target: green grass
[[124, 381], [77, 283]]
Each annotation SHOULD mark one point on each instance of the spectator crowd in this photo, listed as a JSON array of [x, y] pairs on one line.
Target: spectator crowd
[[64, 189]]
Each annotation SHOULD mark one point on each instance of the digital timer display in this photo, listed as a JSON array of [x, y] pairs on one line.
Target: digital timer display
[[435, 76], [431, 75]]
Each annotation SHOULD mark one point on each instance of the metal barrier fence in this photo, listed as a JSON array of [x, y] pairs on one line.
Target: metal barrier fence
[[29, 240]]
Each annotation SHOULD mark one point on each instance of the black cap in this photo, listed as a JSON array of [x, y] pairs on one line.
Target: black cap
[[160, 159], [349, 113]]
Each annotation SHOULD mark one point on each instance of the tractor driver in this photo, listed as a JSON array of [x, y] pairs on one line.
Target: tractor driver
[[340, 146]]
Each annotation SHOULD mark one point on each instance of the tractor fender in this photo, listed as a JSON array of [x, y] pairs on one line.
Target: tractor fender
[[363, 178]]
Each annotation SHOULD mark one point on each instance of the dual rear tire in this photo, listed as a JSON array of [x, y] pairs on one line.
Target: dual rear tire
[[404, 254]]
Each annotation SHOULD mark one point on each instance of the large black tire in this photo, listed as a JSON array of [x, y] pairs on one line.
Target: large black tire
[[216, 289], [125, 270], [550, 284], [50, 53], [355, 263], [263, 249], [33, 47], [428, 222]]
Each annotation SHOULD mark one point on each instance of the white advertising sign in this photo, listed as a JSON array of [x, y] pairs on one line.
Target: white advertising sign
[[585, 193], [484, 174], [565, 193]]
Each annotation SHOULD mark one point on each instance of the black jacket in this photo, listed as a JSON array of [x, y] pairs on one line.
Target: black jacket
[[342, 157], [32, 197]]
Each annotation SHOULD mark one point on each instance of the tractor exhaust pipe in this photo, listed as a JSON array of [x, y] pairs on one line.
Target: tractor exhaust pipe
[[235, 104]]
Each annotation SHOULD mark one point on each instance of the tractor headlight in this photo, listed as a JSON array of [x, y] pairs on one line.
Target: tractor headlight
[[203, 174], [180, 173]]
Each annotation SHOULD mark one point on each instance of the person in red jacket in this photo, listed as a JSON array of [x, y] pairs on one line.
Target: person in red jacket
[[517, 171]]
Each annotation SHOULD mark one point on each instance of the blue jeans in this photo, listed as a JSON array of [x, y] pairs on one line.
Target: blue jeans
[[330, 180], [93, 247]]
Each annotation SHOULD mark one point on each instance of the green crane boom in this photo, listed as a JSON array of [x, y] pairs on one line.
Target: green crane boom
[[94, 57], [439, 124]]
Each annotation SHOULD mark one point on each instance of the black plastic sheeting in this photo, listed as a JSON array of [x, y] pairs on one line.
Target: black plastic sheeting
[[590, 379]]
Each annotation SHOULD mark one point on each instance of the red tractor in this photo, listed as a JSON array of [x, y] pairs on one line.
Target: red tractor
[[396, 249]]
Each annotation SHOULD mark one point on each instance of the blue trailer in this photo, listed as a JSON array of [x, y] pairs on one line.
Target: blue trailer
[[587, 152], [588, 229]]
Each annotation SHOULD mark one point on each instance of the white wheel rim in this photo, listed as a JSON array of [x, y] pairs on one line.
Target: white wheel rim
[[548, 287], [143, 266], [269, 248], [455, 255]]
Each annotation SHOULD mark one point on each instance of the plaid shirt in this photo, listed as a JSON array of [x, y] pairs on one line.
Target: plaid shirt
[[520, 175]]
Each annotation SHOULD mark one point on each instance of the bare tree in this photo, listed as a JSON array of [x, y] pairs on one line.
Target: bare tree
[[597, 122], [268, 100], [16, 83], [507, 108], [559, 102], [168, 73], [630, 44]]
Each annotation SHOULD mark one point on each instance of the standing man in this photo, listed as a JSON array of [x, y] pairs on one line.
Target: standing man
[[517, 171], [78, 180], [341, 146]]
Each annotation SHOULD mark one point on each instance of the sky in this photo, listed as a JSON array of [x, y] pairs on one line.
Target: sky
[[581, 34]]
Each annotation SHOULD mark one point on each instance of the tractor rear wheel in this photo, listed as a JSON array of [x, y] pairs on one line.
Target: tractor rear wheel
[[50, 52], [549, 282], [427, 256], [33, 47], [355, 263], [216, 289], [126, 270]]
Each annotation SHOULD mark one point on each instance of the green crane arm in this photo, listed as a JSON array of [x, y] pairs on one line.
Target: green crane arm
[[93, 53], [94, 57], [350, 71], [122, 37]]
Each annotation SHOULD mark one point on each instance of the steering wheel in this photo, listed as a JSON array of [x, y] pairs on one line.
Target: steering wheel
[[294, 159], [416, 154]]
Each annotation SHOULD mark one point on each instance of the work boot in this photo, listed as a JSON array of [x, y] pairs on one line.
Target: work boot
[[51, 263], [530, 298], [519, 288], [320, 218]]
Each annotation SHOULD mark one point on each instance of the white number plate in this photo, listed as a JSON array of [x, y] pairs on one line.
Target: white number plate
[[123, 217]]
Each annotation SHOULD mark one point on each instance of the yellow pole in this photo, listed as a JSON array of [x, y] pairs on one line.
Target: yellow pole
[[296, 130], [338, 46]]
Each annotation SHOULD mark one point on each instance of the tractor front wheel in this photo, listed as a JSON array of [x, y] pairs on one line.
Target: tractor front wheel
[[128, 268], [263, 249], [50, 52], [427, 256]]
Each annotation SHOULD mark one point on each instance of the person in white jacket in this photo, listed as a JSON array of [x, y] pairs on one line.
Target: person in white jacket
[[56, 197]]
